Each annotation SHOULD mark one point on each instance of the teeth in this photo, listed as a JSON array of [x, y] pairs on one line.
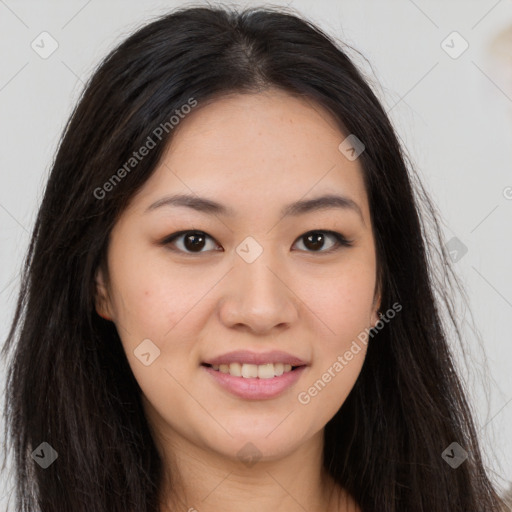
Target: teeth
[[266, 371], [247, 371], [235, 369]]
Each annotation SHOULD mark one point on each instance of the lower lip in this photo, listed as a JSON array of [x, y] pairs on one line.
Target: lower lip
[[255, 388]]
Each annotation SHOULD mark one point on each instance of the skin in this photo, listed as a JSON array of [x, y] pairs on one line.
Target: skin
[[196, 305]]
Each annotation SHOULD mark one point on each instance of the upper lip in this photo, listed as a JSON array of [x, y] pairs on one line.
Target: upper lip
[[245, 356]]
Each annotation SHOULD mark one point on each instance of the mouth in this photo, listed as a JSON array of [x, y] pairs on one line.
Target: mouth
[[255, 382]]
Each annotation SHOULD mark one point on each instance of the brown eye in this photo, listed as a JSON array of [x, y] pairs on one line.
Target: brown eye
[[192, 241], [315, 241]]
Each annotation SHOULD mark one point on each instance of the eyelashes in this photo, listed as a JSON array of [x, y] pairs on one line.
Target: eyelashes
[[197, 239]]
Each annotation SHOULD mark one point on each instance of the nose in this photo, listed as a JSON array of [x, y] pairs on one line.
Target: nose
[[259, 297]]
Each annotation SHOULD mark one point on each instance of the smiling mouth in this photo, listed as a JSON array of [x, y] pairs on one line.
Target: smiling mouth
[[251, 371]]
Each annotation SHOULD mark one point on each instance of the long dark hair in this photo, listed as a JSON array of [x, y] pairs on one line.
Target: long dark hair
[[69, 381]]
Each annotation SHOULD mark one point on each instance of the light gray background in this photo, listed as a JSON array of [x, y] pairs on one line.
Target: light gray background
[[454, 115]]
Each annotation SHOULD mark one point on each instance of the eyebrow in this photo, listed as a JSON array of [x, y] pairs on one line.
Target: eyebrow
[[208, 206]]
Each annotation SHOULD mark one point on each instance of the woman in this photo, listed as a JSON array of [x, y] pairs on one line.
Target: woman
[[228, 301]]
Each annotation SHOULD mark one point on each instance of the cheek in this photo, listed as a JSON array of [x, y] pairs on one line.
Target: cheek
[[342, 318], [329, 385], [156, 310], [342, 301], [151, 319], [151, 298], [340, 352]]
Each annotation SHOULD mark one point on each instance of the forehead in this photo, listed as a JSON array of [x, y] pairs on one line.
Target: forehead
[[252, 151]]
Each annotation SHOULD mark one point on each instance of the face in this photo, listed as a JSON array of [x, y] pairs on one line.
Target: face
[[245, 277]]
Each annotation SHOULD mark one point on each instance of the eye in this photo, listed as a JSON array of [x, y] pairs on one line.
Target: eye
[[194, 241], [316, 239]]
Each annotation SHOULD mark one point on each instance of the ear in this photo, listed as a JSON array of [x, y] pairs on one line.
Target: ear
[[376, 306], [101, 298], [375, 317]]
